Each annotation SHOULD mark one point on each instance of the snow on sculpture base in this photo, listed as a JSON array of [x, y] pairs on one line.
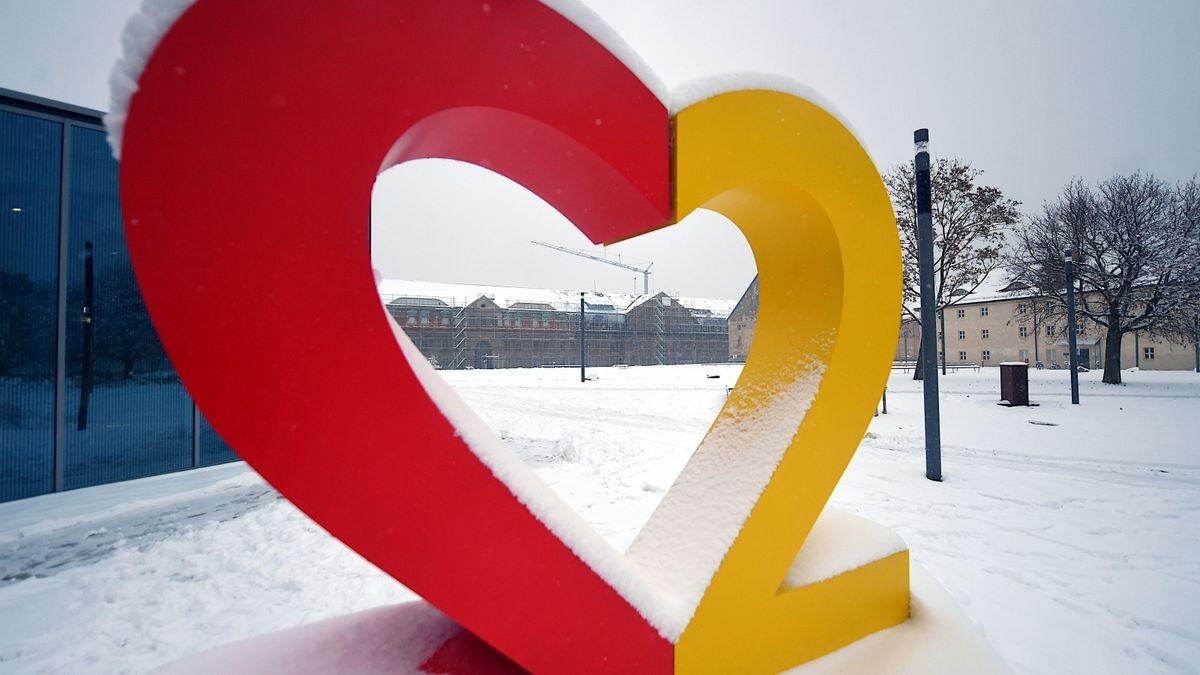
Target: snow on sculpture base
[[415, 638], [401, 638]]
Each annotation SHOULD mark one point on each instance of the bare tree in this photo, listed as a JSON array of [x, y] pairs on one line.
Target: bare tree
[[969, 223], [1135, 241]]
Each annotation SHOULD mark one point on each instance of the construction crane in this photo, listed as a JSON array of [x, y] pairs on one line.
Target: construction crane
[[645, 271]]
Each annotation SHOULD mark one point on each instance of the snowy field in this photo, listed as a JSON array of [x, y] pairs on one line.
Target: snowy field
[[1069, 535]]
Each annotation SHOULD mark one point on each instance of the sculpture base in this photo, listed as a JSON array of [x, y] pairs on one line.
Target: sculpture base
[[415, 638]]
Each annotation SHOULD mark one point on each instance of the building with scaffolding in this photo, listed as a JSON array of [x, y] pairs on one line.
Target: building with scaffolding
[[459, 326]]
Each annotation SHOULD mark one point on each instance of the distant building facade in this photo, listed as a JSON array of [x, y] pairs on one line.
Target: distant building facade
[[741, 323], [999, 324], [461, 327], [1011, 324]]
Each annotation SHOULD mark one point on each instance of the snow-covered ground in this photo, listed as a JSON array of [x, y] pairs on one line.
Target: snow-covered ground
[[1070, 535]]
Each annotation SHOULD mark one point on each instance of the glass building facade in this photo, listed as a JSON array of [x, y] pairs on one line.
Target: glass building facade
[[87, 394]]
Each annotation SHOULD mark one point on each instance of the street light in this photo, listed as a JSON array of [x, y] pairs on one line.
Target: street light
[[929, 380], [1071, 343]]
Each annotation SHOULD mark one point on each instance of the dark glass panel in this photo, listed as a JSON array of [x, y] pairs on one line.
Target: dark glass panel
[[127, 414], [213, 450], [30, 169]]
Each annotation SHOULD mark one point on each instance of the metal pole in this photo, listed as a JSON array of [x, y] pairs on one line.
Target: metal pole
[[933, 423], [942, 331], [1074, 360], [885, 400], [1137, 350], [60, 333], [582, 337]]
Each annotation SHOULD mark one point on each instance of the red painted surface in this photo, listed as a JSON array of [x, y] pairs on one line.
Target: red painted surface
[[465, 654], [248, 161]]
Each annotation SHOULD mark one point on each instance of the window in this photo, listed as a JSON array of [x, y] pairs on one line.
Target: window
[[29, 195], [1021, 308], [1078, 329], [984, 333], [962, 356], [962, 313], [1048, 305], [1049, 331], [962, 335], [1025, 355], [1148, 353], [987, 355], [1023, 331], [983, 311]]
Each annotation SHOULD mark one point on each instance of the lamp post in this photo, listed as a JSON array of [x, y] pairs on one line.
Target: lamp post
[[929, 383], [1071, 337]]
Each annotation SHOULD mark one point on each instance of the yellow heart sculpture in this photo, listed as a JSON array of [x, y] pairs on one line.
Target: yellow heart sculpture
[[811, 204]]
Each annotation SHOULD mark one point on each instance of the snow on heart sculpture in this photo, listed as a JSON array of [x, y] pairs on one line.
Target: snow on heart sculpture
[[250, 135]]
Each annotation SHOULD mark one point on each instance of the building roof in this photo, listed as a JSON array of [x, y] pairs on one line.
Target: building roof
[[538, 306], [749, 300], [19, 99], [410, 301], [999, 285]]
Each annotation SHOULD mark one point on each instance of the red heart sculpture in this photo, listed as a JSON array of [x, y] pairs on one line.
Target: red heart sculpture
[[248, 163]]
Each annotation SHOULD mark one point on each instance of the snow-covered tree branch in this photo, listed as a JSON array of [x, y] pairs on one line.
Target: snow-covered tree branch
[[1135, 241], [969, 224]]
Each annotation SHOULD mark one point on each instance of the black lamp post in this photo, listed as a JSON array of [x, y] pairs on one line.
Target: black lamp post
[[929, 360], [1071, 337]]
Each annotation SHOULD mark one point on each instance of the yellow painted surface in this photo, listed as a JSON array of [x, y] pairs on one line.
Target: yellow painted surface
[[815, 212]]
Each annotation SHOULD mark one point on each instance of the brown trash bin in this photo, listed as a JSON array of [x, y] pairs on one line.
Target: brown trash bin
[[1014, 383]]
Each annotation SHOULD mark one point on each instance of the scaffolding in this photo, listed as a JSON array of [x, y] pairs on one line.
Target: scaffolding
[[508, 329]]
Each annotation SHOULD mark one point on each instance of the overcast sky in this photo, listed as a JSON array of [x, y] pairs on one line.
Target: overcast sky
[[1032, 92]]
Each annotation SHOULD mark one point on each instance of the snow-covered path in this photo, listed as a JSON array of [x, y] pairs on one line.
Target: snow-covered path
[[48, 551], [1067, 566], [1070, 535]]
